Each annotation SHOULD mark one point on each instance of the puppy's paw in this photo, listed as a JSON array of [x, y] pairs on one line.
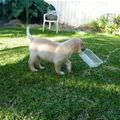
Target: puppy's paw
[[42, 68], [34, 70], [61, 73], [70, 72]]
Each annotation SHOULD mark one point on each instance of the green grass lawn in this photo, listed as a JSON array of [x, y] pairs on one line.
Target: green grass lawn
[[84, 95]]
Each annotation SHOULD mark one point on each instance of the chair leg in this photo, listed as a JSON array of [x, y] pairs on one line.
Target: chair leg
[[56, 27], [43, 26], [49, 25]]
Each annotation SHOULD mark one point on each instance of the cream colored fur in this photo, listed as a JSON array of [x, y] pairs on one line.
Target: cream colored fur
[[57, 53]]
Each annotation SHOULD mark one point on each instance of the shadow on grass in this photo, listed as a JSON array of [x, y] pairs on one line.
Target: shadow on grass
[[49, 33], [102, 38], [45, 95], [21, 32], [12, 32]]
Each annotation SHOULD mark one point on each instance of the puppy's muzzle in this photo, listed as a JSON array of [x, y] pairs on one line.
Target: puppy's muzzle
[[83, 49]]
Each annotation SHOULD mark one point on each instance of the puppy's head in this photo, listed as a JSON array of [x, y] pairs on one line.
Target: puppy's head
[[79, 45]]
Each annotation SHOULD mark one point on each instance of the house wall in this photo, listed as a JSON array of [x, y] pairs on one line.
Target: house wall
[[78, 12]]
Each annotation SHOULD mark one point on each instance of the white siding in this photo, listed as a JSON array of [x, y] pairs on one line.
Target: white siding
[[78, 12]]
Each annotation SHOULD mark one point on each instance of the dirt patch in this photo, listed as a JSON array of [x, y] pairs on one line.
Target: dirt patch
[[11, 23]]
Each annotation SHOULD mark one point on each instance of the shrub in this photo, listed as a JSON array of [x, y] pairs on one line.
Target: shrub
[[110, 27], [117, 20], [105, 25], [94, 25], [102, 23], [13, 9]]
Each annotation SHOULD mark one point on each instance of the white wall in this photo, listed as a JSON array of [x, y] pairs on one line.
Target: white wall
[[78, 12]]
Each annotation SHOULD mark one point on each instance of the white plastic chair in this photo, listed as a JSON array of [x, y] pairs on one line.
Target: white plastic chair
[[50, 21]]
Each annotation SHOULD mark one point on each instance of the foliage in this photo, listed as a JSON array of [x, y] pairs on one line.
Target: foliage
[[111, 27], [105, 25], [17, 9], [117, 20], [102, 23], [86, 94], [94, 25]]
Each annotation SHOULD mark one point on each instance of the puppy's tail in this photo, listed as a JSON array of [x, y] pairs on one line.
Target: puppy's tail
[[29, 36]]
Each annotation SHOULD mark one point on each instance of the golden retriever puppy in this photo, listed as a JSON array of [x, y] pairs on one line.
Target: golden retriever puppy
[[54, 52]]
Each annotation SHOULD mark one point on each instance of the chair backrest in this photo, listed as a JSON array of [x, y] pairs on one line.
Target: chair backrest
[[51, 15], [53, 12]]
